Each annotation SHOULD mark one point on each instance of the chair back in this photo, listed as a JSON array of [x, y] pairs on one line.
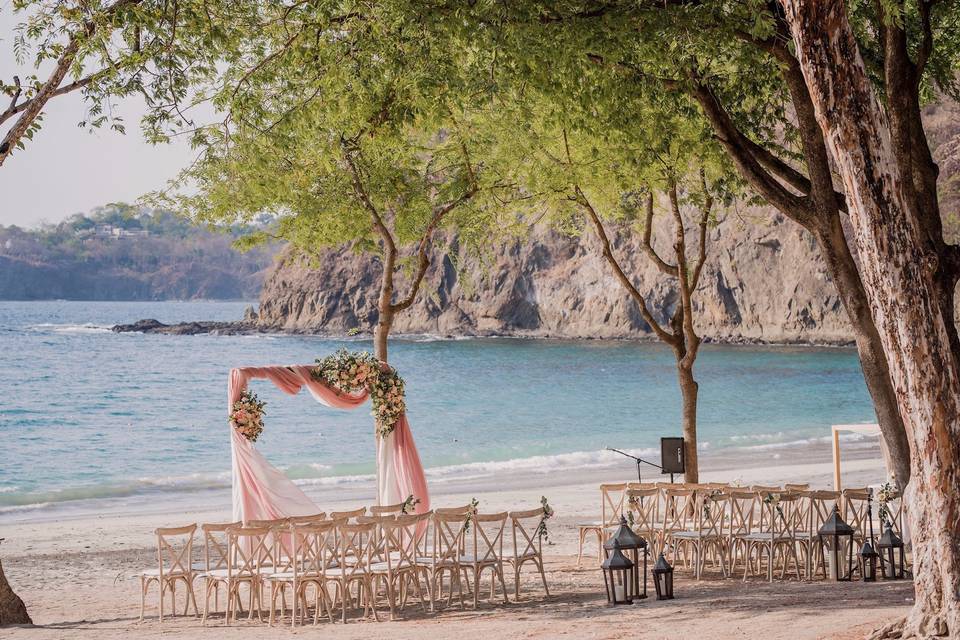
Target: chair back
[[612, 496], [315, 545], [454, 511], [358, 544], [449, 532], [215, 554], [379, 510], [766, 488], [778, 519], [679, 506], [485, 537], [894, 513], [525, 530], [644, 507], [267, 524], [797, 486], [249, 550], [710, 513], [854, 510], [819, 506], [400, 540], [741, 507], [315, 517], [347, 515], [175, 550]]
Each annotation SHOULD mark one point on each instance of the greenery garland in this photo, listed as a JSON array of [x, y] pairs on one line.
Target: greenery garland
[[350, 372]]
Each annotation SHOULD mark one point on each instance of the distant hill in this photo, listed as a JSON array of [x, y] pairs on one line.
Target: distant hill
[[120, 253]]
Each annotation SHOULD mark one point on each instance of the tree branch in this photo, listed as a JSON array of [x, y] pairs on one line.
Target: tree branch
[[666, 268], [661, 333]]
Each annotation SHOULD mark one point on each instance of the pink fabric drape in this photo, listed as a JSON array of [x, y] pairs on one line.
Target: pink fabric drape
[[262, 492]]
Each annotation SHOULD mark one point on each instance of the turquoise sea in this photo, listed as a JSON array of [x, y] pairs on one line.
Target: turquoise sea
[[88, 416]]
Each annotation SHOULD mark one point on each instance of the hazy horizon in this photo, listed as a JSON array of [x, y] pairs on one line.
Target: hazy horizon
[[66, 169]]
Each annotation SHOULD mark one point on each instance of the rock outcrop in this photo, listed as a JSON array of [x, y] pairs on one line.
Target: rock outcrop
[[764, 281]]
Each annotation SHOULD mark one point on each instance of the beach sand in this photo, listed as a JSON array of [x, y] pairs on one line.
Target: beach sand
[[77, 574]]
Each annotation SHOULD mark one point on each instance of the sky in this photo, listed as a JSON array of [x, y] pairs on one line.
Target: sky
[[66, 169]]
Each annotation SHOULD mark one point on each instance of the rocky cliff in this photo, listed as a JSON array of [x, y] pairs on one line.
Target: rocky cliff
[[764, 281]]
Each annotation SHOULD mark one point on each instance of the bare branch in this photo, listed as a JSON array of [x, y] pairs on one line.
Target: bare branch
[[669, 269], [585, 204]]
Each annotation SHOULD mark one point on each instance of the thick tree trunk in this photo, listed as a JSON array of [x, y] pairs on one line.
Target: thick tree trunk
[[873, 361], [688, 392], [908, 294], [12, 609]]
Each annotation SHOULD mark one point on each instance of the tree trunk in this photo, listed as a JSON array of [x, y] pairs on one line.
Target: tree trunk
[[688, 392], [12, 609], [873, 361], [381, 334], [908, 294]]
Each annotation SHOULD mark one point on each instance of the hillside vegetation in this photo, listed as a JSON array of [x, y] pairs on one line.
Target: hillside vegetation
[[120, 253]]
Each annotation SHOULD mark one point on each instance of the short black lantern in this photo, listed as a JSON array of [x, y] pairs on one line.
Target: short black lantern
[[868, 562], [632, 545], [836, 542], [892, 551], [663, 579], [618, 577]]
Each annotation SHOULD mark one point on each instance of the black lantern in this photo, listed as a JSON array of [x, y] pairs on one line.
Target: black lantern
[[891, 550], [663, 579], [836, 542], [618, 575], [868, 562], [632, 545]]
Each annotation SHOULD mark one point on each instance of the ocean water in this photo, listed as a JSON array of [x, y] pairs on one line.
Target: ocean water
[[88, 416]]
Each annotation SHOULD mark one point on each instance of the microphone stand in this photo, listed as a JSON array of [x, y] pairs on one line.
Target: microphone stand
[[639, 461]]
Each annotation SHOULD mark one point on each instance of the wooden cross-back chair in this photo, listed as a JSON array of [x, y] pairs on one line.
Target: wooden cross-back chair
[[249, 552], [314, 547], [706, 536], [776, 538], [396, 566], [484, 551], [612, 497], [820, 505], [449, 529], [642, 506], [527, 546], [679, 505], [741, 505], [174, 564], [854, 511], [215, 559], [357, 545]]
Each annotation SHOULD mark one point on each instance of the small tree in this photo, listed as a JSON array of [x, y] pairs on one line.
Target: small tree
[[679, 333], [345, 133]]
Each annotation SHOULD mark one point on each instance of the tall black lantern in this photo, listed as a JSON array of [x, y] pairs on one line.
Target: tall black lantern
[[632, 545], [892, 551], [836, 542], [663, 579], [618, 575], [868, 562]]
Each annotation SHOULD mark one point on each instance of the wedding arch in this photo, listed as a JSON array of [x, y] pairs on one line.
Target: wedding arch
[[342, 381]]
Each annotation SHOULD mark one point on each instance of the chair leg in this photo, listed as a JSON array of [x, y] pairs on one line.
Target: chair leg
[[160, 585], [543, 577], [143, 597]]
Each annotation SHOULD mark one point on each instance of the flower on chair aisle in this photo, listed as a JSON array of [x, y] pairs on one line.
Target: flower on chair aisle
[[352, 372], [246, 415]]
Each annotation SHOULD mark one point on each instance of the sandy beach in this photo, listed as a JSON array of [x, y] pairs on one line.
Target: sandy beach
[[78, 573]]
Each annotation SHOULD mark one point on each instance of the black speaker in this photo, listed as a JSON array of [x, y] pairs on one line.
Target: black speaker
[[671, 455]]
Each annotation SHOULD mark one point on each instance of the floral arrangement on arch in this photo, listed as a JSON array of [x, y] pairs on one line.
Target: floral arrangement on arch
[[246, 415], [351, 372]]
